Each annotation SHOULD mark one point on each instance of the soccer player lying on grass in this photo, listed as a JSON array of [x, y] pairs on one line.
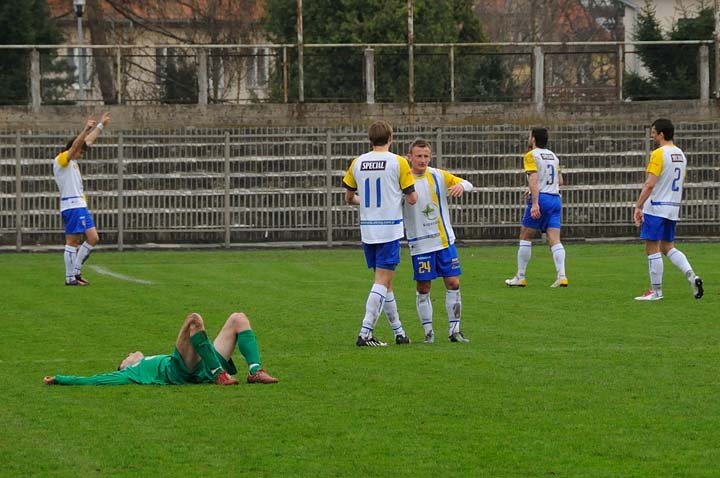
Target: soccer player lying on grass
[[195, 359]]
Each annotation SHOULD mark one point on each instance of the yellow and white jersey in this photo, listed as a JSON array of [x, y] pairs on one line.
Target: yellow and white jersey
[[380, 179], [69, 181], [547, 166], [668, 163], [427, 222]]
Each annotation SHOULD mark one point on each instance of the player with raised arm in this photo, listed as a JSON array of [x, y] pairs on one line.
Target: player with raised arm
[[544, 208], [377, 182], [432, 240], [73, 203], [658, 208], [195, 359]]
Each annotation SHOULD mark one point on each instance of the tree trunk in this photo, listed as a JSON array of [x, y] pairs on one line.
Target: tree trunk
[[103, 60]]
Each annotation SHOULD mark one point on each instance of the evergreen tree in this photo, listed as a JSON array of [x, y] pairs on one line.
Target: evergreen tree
[[28, 22], [337, 73], [673, 68]]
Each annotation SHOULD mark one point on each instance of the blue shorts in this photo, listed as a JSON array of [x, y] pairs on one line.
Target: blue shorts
[[655, 228], [550, 213], [383, 256], [77, 220], [431, 265]]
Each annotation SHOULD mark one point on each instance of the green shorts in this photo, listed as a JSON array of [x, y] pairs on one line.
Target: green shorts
[[178, 373]]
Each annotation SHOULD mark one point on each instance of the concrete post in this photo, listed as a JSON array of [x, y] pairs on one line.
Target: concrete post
[[411, 52], [118, 73], [704, 75], [717, 49], [202, 76], [620, 71], [437, 150], [539, 79], [35, 91], [285, 75], [452, 74], [370, 76], [301, 46]]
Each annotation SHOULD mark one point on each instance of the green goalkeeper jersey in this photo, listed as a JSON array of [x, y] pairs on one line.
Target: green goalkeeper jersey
[[152, 370]]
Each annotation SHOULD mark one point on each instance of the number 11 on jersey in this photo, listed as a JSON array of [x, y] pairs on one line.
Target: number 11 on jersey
[[378, 191]]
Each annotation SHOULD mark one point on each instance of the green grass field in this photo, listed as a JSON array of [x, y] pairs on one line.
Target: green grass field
[[573, 382]]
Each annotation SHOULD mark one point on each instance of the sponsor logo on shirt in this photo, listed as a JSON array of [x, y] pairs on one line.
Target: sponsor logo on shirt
[[676, 158], [372, 166], [429, 213], [547, 157]]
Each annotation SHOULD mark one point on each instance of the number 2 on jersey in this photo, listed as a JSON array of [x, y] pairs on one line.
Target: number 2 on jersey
[[675, 187], [378, 195]]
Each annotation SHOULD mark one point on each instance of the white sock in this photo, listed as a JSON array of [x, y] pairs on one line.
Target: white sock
[[681, 262], [392, 314], [453, 307], [655, 264], [373, 307], [69, 257], [82, 255], [558, 253], [425, 311], [523, 257]]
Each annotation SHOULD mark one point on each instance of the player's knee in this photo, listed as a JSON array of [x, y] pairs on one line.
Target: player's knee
[[239, 321], [452, 284], [423, 288], [194, 322]]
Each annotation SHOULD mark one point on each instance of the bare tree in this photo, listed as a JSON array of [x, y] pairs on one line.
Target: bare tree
[[103, 62]]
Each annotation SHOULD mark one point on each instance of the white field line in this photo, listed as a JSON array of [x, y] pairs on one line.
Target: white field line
[[108, 272]]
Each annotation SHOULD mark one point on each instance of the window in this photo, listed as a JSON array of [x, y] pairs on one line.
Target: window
[[258, 72]]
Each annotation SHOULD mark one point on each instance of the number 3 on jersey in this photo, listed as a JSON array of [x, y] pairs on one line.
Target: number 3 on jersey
[[368, 193], [551, 170]]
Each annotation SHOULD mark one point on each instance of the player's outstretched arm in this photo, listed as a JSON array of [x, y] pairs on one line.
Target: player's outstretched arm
[[93, 135], [49, 380], [76, 146]]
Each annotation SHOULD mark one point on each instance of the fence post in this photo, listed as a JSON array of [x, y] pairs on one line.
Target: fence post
[[118, 73], [704, 75], [539, 79], [285, 74], [452, 73], [300, 44], [438, 156], [620, 71], [411, 52], [227, 189], [370, 76], [35, 92], [18, 193], [120, 195], [202, 77], [328, 189]]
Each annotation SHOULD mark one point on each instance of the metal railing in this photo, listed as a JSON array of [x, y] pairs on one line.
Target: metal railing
[[247, 186], [534, 72]]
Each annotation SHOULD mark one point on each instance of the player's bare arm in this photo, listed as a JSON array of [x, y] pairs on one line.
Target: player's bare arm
[[535, 192], [93, 135], [650, 183], [76, 146]]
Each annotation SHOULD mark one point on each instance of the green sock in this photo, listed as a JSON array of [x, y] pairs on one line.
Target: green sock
[[202, 346], [247, 344]]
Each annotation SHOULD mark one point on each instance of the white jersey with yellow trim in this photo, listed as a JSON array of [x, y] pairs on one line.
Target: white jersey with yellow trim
[[547, 165], [427, 222], [380, 179], [669, 164], [69, 181]]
